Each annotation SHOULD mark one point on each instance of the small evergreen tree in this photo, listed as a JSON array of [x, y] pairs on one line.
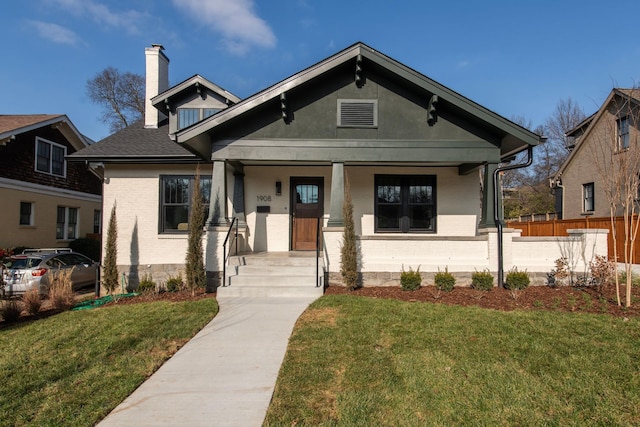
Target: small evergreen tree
[[110, 266], [195, 272], [349, 250]]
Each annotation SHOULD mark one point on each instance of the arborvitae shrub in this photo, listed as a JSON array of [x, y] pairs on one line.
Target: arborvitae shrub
[[349, 249], [444, 281], [482, 280], [517, 280], [410, 280]]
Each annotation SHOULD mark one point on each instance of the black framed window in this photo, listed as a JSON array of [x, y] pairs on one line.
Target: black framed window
[[187, 117], [588, 199], [26, 213], [405, 203], [175, 201]]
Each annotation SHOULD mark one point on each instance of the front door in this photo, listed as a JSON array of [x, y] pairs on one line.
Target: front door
[[307, 208]]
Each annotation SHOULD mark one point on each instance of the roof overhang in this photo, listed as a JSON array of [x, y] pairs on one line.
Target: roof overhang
[[61, 123]]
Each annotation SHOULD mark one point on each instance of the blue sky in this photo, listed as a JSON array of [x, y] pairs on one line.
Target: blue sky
[[517, 58]]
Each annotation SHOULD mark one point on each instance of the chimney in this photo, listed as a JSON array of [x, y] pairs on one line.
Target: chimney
[[157, 81]]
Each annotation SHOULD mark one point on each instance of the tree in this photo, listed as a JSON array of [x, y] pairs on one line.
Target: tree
[[615, 155], [349, 250], [196, 274], [531, 185], [110, 264], [121, 96]]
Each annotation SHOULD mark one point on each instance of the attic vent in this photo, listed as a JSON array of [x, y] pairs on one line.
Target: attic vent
[[358, 112]]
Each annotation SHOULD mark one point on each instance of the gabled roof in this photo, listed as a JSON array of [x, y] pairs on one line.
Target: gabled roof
[[517, 137], [136, 144], [12, 125], [195, 81], [591, 121]]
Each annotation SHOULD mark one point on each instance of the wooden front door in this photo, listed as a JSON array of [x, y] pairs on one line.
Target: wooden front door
[[307, 207]]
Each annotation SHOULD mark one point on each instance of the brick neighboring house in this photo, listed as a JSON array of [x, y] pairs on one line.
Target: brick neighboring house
[[579, 185], [46, 201]]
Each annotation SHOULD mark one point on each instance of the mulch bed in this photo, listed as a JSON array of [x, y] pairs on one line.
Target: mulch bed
[[565, 298]]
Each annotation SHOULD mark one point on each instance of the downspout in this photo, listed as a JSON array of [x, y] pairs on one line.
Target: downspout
[[496, 214]]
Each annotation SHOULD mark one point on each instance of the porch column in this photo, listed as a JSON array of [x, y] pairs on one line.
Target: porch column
[[238, 196], [488, 203], [337, 195], [218, 200]]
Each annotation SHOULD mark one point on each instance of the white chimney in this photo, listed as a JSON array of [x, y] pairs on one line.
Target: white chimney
[[157, 78]]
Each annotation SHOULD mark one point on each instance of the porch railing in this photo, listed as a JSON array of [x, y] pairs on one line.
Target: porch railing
[[225, 257]]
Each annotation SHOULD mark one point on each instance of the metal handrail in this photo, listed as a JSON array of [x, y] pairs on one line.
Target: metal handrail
[[318, 252], [224, 250]]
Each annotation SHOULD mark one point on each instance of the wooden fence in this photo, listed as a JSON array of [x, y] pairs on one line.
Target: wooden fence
[[559, 227]]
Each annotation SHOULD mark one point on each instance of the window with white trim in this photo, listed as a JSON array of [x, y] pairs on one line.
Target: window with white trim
[[623, 132], [26, 213], [588, 199], [405, 203], [175, 201], [67, 223], [50, 157]]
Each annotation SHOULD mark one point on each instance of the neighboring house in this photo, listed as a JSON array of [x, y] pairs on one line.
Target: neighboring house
[[414, 153], [46, 201], [602, 146]]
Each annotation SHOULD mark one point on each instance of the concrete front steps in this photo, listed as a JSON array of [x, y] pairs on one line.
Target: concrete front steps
[[273, 274]]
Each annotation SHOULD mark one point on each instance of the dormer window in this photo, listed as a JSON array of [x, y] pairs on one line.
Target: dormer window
[[189, 116], [623, 133]]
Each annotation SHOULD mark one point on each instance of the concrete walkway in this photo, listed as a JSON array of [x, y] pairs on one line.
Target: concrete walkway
[[225, 375]]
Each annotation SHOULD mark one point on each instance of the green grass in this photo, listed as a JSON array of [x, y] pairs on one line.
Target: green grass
[[357, 361], [75, 367]]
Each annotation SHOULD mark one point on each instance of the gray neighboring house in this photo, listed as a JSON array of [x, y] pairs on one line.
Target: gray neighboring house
[[414, 152]]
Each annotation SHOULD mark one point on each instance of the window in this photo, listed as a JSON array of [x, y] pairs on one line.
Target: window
[[187, 117], [623, 133], [50, 157], [405, 203], [67, 223], [358, 112], [208, 112], [97, 221], [175, 201], [588, 200], [26, 213]]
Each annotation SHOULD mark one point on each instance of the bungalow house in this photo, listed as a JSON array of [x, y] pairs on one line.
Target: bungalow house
[[605, 146], [276, 166], [46, 201]]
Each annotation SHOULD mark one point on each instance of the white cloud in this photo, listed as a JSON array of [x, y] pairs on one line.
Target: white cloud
[[101, 14], [54, 32], [236, 20]]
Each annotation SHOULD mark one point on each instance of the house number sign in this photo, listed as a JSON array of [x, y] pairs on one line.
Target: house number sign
[[264, 198]]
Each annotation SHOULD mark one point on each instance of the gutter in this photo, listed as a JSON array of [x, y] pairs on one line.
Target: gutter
[[496, 214]]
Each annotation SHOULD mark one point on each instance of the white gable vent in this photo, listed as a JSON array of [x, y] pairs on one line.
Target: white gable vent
[[358, 112]]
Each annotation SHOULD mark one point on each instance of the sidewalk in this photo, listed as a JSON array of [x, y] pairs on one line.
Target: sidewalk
[[225, 375]]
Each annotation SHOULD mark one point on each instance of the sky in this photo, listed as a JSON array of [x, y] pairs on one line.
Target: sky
[[518, 58]]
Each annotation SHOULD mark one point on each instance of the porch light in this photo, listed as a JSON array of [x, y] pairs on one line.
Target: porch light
[[278, 188]]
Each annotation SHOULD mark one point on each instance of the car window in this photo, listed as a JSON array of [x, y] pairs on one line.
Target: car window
[[55, 262], [74, 259], [25, 262]]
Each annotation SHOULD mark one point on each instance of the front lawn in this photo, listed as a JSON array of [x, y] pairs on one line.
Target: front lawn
[[364, 361], [75, 367]]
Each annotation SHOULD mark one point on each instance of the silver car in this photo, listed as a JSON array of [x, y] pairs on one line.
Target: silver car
[[29, 270]]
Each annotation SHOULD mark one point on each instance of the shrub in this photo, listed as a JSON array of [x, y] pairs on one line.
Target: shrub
[[517, 280], [60, 289], [87, 247], [110, 267], [444, 281], [10, 310], [32, 301], [195, 269], [146, 284], [482, 280], [349, 249], [174, 284], [410, 280], [559, 275]]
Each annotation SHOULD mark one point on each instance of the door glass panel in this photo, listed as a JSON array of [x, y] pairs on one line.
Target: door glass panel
[[307, 194]]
